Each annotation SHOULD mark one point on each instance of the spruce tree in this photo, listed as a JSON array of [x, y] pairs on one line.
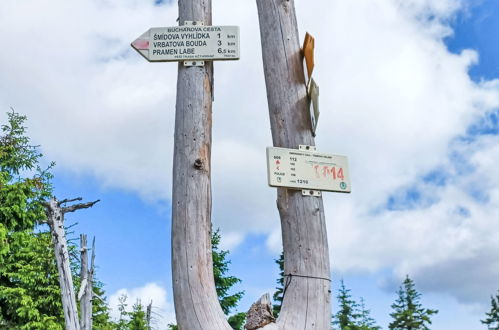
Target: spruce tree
[[492, 320], [347, 316], [224, 283], [30, 295], [29, 289], [408, 313], [366, 322]]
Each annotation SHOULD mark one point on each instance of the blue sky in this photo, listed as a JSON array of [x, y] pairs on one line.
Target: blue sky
[[409, 92]]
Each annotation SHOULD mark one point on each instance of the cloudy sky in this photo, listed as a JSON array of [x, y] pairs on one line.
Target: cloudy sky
[[409, 92]]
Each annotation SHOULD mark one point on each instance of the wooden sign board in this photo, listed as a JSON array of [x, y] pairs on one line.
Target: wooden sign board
[[308, 53], [189, 43], [300, 169]]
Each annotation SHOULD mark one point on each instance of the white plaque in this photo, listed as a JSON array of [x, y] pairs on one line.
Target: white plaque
[[300, 169], [189, 43]]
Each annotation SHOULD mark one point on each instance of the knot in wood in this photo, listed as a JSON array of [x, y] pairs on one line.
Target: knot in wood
[[198, 163]]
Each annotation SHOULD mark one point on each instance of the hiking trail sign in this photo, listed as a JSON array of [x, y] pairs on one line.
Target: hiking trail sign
[[189, 42], [307, 169]]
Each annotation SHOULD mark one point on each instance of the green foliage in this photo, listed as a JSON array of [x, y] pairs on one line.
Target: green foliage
[[279, 293], [138, 317], [408, 313], [492, 320], [366, 322], [237, 321], [30, 295], [29, 286], [352, 315], [347, 316], [100, 311], [223, 283], [23, 184], [134, 320]]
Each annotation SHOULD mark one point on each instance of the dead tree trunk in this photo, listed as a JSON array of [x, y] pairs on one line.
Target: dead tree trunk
[[55, 219], [148, 315], [85, 295], [196, 303], [306, 303]]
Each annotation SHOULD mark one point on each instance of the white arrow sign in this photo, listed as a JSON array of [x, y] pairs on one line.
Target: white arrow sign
[[189, 43]]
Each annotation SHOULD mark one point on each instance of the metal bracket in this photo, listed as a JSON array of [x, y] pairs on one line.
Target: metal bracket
[[313, 193], [306, 148], [193, 23], [193, 63]]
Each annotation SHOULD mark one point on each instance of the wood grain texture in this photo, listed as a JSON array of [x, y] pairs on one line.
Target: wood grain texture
[[196, 302], [55, 219], [306, 303], [85, 295]]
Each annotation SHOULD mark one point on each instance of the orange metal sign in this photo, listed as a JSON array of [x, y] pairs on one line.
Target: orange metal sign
[[308, 53]]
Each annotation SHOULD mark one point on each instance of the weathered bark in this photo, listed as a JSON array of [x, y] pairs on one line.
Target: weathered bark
[[85, 295], [306, 303], [56, 223], [260, 314], [196, 303], [55, 220]]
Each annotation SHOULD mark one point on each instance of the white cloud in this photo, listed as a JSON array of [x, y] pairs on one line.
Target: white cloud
[[162, 309], [392, 98]]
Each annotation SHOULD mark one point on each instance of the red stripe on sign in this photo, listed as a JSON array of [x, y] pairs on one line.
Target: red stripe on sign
[[141, 44]]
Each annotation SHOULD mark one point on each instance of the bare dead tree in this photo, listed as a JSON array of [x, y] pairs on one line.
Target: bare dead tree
[[85, 294], [195, 297], [306, 303], [148, 315], [55, 219]]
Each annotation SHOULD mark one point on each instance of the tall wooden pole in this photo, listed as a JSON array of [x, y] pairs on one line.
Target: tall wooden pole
[[195, 297], [306, 303]]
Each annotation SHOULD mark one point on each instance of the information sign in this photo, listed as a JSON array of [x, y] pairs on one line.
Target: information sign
[[300, 169], [313, 93], [308, 53], [189, 43]]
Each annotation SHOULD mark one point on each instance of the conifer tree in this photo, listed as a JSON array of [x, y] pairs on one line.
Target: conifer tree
[[137, 317], [352, 315], [408, 313], [492, 320], [29, 291], [29, 286], [347, 316], [366, 322], [224, 283]]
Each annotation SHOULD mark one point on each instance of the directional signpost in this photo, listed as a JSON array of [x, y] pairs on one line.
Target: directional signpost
[[313, 93], [307, 170], [190, 42], [308, 53]]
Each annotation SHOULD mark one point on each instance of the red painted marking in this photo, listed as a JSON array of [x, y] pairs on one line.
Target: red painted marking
[[141, 44], [277, 162]]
